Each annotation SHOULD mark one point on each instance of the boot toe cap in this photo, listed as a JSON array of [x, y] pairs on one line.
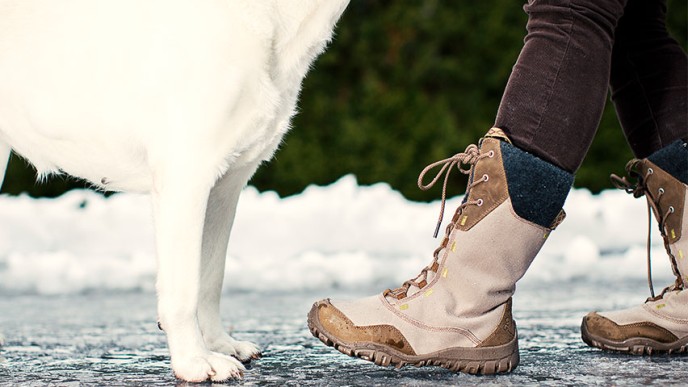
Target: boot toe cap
[[598, 326], [333, 327]]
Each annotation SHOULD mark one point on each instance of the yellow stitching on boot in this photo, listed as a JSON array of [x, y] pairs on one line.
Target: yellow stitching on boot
[[660, 306], [680, 254], [453, 248], [403, 307], [673, 234], [444, 272], [463, 220], [428, 293], [545, 235]]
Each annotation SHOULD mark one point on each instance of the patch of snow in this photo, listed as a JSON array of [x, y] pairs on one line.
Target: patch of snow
[[341, 235]]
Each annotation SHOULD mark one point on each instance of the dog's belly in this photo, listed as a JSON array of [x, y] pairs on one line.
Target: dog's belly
[[111, 166]]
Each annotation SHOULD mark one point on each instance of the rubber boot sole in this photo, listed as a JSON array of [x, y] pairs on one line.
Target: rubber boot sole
[[476, 361], [634, 345]]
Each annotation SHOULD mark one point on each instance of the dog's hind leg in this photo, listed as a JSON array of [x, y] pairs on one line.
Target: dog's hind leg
[[219, 218], [5, 152], [180, 196]]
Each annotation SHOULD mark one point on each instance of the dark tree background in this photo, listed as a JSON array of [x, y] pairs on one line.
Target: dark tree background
[[404, 83]]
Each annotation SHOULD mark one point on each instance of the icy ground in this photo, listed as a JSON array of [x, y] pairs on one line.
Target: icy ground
[[112, 340], [77, 273]]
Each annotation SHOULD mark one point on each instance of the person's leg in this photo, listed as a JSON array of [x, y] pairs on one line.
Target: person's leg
[[649, 79], [648, 83], [557, 90], [457, 312]]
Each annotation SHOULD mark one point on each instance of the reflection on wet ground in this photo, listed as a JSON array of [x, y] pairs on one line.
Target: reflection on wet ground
[[98, 339]]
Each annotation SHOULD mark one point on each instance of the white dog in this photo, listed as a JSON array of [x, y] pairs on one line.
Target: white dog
[[179, 98]]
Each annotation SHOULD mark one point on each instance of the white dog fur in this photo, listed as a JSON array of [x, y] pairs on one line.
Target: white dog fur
[[179, 98]]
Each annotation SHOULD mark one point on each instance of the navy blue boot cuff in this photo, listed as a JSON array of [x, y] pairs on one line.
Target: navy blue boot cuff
[[673, 159], [537, 188]]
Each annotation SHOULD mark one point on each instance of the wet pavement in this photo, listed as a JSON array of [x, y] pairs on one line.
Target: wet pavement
[[109, 340]]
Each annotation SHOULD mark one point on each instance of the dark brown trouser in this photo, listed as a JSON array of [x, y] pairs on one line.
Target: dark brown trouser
[[574, 51]]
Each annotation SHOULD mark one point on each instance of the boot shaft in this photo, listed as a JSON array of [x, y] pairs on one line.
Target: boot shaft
[[513, 201], [663, 179], [667, 197]]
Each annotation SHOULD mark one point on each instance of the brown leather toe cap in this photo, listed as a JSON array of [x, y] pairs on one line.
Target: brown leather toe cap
[[340, 328], [603, 327]]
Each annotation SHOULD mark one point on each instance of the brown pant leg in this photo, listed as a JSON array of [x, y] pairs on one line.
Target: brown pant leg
[[649, 79], [557, 90]]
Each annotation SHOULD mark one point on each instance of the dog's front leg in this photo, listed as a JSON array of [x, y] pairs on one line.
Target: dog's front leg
[[219, 218], [179, 205]]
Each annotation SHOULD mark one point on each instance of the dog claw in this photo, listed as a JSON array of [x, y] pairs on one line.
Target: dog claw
[[257, 356]]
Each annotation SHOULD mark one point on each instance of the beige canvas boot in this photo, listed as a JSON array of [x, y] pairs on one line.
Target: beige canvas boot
[[661, 323], [457, 312]]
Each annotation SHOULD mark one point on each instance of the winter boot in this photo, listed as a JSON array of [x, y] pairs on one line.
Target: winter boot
[[661, 323], [457, 312]]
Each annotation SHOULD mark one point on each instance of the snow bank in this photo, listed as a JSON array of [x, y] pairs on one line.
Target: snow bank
[[342, 235]]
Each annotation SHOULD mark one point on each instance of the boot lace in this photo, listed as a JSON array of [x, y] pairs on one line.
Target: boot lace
[[638, 187], [468, 158]]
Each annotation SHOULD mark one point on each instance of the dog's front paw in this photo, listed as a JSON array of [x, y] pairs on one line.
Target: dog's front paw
[[211, 366], [243, 350]]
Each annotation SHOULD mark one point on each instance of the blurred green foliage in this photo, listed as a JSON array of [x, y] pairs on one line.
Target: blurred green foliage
[[404, 83]]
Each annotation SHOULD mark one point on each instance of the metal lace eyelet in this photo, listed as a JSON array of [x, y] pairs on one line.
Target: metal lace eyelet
[[485, 177], [671, 209], [490, 154], [661, 190], [480, 203], [650, 171]]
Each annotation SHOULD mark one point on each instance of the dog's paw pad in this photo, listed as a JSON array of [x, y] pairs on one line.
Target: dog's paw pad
[[212, 366]]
